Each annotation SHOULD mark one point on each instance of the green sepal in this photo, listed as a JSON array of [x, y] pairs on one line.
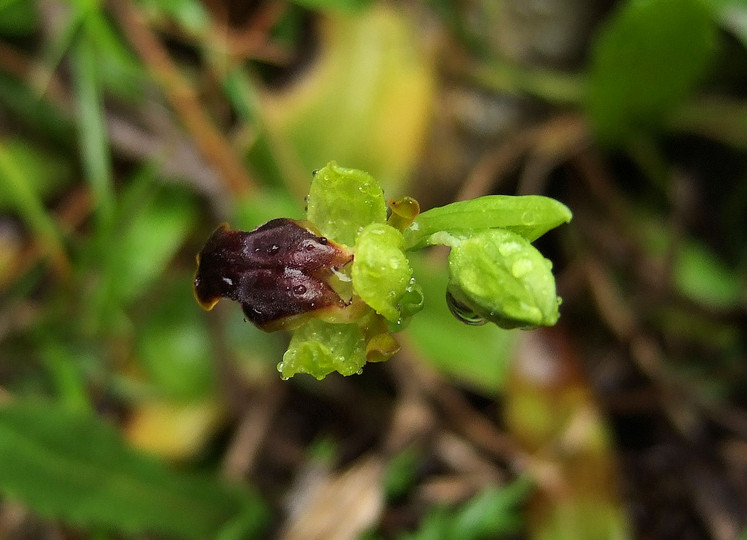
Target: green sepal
[[319, 348], [381, 272], [342, 201], [497, 275], [529, 216]]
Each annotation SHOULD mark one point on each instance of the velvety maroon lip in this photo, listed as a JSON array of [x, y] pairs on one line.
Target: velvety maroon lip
[[276, 272]]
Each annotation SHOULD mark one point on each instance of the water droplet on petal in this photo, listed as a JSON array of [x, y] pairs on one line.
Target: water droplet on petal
[[521, 268], [274, 248], [527, 218], [462, 312], [507, 248]]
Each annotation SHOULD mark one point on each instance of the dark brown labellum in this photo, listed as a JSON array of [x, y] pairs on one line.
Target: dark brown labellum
[[277, 272]]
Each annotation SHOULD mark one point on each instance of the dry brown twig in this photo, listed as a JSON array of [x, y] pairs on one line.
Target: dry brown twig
[[183, 98]]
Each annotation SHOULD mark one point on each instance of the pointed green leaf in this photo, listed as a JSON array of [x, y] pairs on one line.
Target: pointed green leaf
[[530, 216], [74, 467], [647, 59]]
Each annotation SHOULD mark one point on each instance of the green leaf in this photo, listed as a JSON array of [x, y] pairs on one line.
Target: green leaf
[[702, 276], [174, 345], [319, 348], [494, 513], [191, 15], [343, 6], [148, 238], [22, 193], [92, 134], [343, 201], [401, 472], [18, 18], [35, 113], [647, 59], [381, 272], [530, 216], [365, 101], [74, 467], [502, 278], [45, 172]]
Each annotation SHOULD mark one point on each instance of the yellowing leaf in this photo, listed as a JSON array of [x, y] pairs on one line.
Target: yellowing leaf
[[364, 102], [174, 430]]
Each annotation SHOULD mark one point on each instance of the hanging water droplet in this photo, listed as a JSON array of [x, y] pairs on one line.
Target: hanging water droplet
[[359, 372], [462, 312]]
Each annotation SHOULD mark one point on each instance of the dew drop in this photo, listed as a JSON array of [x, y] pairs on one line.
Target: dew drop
[[462, 312], [323, 240], [521, 268], [273, 249], [527, 218], [299, 289], [508, 248], [359, 372]]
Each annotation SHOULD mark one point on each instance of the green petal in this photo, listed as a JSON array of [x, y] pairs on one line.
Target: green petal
[[501, 277], [381, 272], [530, 216], [319, 348], [343, 201]]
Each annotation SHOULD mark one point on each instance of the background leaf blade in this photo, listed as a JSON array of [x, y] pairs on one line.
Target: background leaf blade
[[74, 467]]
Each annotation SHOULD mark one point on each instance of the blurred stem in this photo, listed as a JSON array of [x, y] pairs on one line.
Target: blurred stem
[[92, 129], [211, 142], [244, 97], [67, 377], [31, 208], [645, 152], [551, 86], [719, 118]]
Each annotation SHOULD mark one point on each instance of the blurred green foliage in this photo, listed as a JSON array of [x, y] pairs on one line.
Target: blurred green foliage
[[97, 316], [493, 513], [74, 466]]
